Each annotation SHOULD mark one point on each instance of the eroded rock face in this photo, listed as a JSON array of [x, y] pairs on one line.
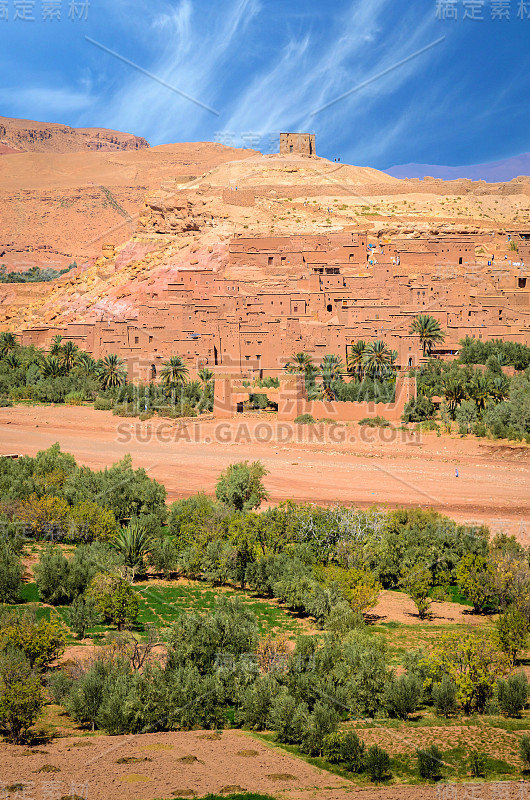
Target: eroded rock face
[[172, 214], [29, 136]]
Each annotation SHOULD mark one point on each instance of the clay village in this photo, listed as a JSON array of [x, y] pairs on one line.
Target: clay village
[[264, 472]]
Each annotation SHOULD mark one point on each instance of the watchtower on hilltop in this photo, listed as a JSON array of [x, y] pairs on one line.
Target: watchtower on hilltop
[[300, 143]]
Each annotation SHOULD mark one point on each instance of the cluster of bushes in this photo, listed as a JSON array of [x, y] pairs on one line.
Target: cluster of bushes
[[365, 390], [64, 375], [311, 558], [483, 402], [68, 375], [33, 274], [185, 400], [219, 673], [329, 563], [216, 676], [475, 351]]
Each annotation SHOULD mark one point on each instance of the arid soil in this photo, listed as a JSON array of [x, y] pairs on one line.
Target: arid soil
[[189, 764], [318, 464]]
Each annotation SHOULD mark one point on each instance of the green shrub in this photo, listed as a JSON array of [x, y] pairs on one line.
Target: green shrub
[[375, 422], [512, 632], [345, 749], [479, 430], [89, 521], [418, 409], [42, 642], [288, 718], [304, 419], [103, 404], [321, 722], [230, 630], [87, 692], [74, 398], [430, 762], [444, 696], [11, 572], [477, 764], [82, 615], [52, 575], [240, 486], [402, 695], [512, 694], [164, 556], [377, 764], [59, 686], [115, 599], [256, 703], [524, 750], [21, 695]]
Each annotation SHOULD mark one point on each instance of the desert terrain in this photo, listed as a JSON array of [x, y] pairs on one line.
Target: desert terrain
[[89, 207], [316, 464]]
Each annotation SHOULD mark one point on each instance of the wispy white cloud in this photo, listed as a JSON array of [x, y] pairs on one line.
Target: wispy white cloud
[[45, 102], [193, 54], [308, 76]]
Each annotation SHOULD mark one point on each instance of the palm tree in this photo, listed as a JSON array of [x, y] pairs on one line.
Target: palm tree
[[429, 331], [205, 376], [331, 370], [378, 360], [85, 365], [299, 364], [112, 371], [454, 392], [500, 388], [68, 355], [55, 347], [52, 367], [480, 391], [8, 342], [134, 543], [12, 360], [174, 372], [354, 359]]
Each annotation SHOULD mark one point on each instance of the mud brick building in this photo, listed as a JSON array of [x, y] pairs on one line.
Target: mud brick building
[[324, 292]]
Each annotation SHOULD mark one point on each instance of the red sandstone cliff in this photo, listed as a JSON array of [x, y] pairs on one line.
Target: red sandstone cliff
[[24, 135]]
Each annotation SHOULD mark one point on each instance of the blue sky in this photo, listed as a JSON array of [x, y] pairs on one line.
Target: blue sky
[[266, 65]]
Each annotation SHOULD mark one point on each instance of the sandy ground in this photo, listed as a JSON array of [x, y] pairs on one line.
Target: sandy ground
[[167, 764], [320, 464], [398, 607]]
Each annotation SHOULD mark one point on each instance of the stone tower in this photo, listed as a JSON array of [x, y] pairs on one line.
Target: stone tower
[[299, 143]]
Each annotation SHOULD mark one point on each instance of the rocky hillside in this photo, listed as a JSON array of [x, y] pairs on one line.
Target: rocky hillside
[[131, 220], [27, 136]]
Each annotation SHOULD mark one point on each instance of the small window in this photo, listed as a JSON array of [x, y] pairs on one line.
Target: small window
[[136, 339], [329, 307]]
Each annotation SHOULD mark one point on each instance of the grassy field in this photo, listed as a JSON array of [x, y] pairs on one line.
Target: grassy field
[[496, 737], [161, 603]]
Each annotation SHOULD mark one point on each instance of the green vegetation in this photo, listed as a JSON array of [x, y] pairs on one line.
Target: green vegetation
[[482, 401], [370, 367], [68, 375], [33, 274], [255, 579], [429, 332], [475, 351]]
